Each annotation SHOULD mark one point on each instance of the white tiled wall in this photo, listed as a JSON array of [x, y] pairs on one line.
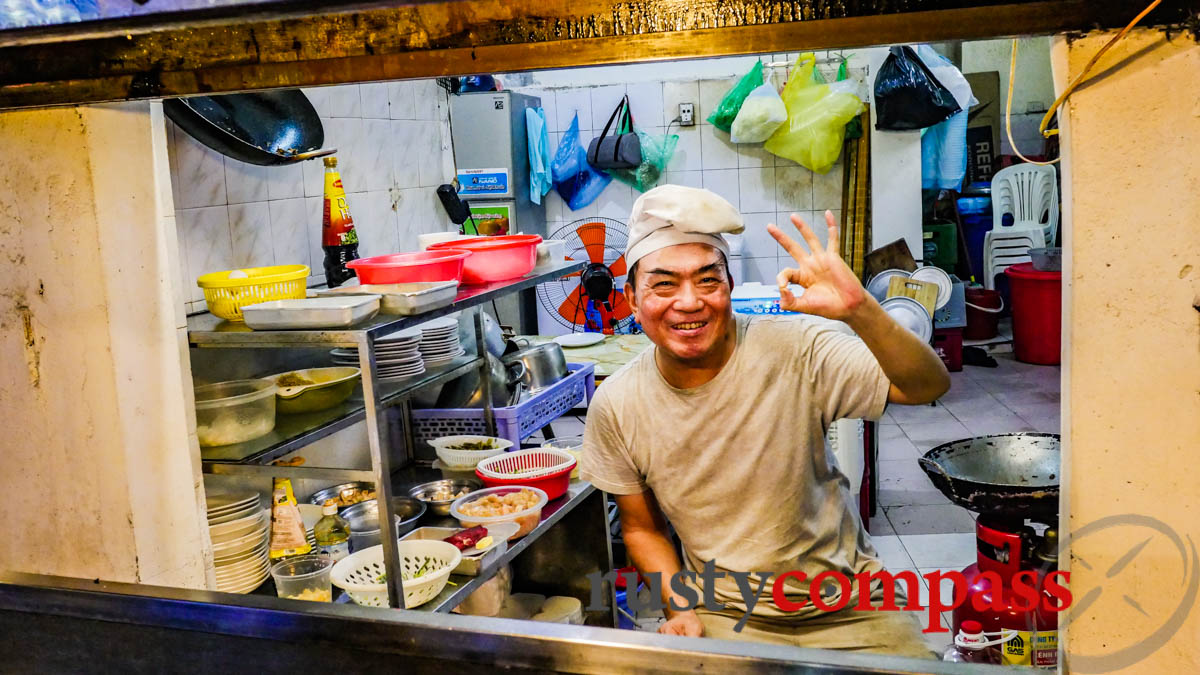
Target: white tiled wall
[[394, 149], [765, 188]]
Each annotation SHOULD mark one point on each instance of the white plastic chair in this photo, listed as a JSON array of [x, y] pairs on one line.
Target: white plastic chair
[[1029, 193]]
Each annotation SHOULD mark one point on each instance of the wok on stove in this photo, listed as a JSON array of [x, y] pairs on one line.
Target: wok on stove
[[1013, 475]]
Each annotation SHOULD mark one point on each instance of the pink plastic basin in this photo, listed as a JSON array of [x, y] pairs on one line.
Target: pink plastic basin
[[399, 268], [494, 258]]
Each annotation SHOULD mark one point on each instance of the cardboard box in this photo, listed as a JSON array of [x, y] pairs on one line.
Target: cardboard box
[[983, 127]]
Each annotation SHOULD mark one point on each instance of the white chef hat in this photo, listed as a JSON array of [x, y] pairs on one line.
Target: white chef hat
[[669, 215]]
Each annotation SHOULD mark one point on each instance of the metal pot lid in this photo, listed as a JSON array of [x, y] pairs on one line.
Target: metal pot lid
[[936, 275], [878, 285], [910, 314]]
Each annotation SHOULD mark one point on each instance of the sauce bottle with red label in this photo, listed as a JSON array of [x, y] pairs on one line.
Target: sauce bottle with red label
[[338, 237]]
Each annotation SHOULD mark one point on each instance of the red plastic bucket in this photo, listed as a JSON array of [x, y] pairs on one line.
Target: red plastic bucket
[[399, 268], [983, 314], [1037, 314]]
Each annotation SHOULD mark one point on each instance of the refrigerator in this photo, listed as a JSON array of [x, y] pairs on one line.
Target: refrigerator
[[491, 156]]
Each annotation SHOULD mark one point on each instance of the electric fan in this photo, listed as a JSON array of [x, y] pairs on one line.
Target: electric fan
[[591, 300]]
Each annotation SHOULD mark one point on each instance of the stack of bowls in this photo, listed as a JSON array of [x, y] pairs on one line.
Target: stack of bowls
[[240, 529]]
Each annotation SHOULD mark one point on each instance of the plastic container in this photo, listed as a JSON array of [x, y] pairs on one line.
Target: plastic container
[[948, 345], [514, 423], [360, 573], [976, 215], [1037, 314], [756, 298], [526, 520], [569, 444], [561, 609], [547, 469], [226, 293], [1046, 259], [494, 258], [234, 412], [490, 596], [983, 314], [410, 267], [454, 459], [304, 577]]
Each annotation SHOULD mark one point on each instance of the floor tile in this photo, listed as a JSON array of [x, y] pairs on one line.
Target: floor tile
[[895, 446], [892, 552], [903, 483], [930, 519], [880, 526], [979, 402], [948, 551], [1005, 422], [926, 436], [910, 414]]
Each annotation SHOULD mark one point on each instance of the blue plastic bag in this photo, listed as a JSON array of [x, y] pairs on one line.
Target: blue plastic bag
[[576, 181], [540, 181], [944, 154]]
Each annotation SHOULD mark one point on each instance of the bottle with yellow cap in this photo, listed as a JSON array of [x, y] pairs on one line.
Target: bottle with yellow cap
[[338, 237]]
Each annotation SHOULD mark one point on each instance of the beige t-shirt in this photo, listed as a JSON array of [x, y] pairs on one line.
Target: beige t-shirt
[[739, 464]]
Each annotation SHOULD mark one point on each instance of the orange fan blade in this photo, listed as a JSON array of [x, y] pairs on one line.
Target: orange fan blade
[[570, 308], [618, 267], [572, 274], [621, 308], [592, 235]]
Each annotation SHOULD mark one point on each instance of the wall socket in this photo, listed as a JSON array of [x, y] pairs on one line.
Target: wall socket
[[687, 114]]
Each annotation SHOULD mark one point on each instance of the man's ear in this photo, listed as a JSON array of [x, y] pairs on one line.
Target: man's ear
[[631, 299]]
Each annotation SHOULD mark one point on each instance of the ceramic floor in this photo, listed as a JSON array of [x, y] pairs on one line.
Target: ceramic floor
[[917, 528]]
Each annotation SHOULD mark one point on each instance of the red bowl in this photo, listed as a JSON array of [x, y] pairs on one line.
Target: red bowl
[[494, 258], [399, 268], [555, 485]]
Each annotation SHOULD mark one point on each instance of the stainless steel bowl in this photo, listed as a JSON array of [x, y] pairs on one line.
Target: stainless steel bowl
[[364, 516], [442, 508], [544, 364], [334, 492]]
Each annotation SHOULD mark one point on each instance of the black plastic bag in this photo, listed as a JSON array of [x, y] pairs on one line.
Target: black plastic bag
[[908, 96]]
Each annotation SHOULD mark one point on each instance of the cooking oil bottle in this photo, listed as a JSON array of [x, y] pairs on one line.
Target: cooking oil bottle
[[332, 532]]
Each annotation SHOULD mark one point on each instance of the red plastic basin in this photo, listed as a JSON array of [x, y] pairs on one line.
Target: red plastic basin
[[494, 258], [398, 268]]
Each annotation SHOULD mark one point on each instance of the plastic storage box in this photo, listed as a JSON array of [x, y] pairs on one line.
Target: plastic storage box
[[515, 423]]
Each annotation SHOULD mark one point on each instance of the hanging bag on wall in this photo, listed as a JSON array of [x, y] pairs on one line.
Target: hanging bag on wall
[[656, 154], [620, 150], [908, 96], [575, 180], [726, 111], [815, 128]]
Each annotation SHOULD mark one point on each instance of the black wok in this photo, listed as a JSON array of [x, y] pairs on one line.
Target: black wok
[[265, 128], [1014, 475]]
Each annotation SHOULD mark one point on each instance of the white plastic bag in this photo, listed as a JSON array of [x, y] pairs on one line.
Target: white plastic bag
[[949, 75], [761, 114]]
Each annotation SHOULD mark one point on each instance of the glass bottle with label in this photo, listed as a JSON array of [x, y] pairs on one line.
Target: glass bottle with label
[[338, 236], [332, 532]]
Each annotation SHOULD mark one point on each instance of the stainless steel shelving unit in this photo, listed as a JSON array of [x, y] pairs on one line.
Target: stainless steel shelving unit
[[254, 458]]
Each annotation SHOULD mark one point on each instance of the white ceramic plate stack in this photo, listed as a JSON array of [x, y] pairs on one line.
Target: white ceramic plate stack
[[240, 529], [396, 356], [439, 341]]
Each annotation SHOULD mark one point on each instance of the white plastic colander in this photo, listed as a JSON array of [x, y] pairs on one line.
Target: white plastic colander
[[467, 459], [358, 573]]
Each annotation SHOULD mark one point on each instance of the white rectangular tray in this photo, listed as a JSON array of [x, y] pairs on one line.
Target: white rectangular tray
[[332, 312], [405, 299], [472, 562]]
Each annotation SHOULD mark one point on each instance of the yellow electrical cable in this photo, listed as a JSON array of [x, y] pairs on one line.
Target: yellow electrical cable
[[1047, 133]]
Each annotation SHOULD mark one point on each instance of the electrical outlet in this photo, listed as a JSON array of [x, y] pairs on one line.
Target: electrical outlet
[[687, 114]]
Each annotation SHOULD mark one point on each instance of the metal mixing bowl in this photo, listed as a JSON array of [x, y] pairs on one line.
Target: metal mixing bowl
[[442, 508], [364, 516]]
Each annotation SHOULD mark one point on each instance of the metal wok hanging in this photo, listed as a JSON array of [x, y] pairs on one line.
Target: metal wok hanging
[[1012, 475], [267, 128]]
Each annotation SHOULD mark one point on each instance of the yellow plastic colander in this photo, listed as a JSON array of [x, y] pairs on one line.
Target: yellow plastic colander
[[226, 296]]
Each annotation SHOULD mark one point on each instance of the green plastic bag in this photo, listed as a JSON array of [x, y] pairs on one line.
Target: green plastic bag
[[813, 134], [727, 110], [656, 154]]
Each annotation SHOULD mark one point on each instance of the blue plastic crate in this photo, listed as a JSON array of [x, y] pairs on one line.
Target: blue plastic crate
[[515, 423]]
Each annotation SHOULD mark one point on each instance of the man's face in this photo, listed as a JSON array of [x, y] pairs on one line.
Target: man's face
[[681, 299]]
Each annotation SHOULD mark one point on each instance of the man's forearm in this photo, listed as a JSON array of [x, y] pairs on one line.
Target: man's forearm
[[911, 365], [653, 552]]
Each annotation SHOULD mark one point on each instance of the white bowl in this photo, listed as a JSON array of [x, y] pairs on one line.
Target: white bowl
[[464, 460]]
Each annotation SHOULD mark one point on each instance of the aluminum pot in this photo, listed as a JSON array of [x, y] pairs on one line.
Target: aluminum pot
[[364, 519], [544, 364], [467, 391]]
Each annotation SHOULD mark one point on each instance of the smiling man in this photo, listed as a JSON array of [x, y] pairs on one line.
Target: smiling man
[[719, 428]]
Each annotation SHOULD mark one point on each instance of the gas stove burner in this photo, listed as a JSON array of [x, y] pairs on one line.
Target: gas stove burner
[[1007, 475]]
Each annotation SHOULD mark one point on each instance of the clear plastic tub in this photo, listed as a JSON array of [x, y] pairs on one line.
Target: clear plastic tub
[[526, 519], [304, 577], [568, 444], [235, 411], [1046, 259]]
